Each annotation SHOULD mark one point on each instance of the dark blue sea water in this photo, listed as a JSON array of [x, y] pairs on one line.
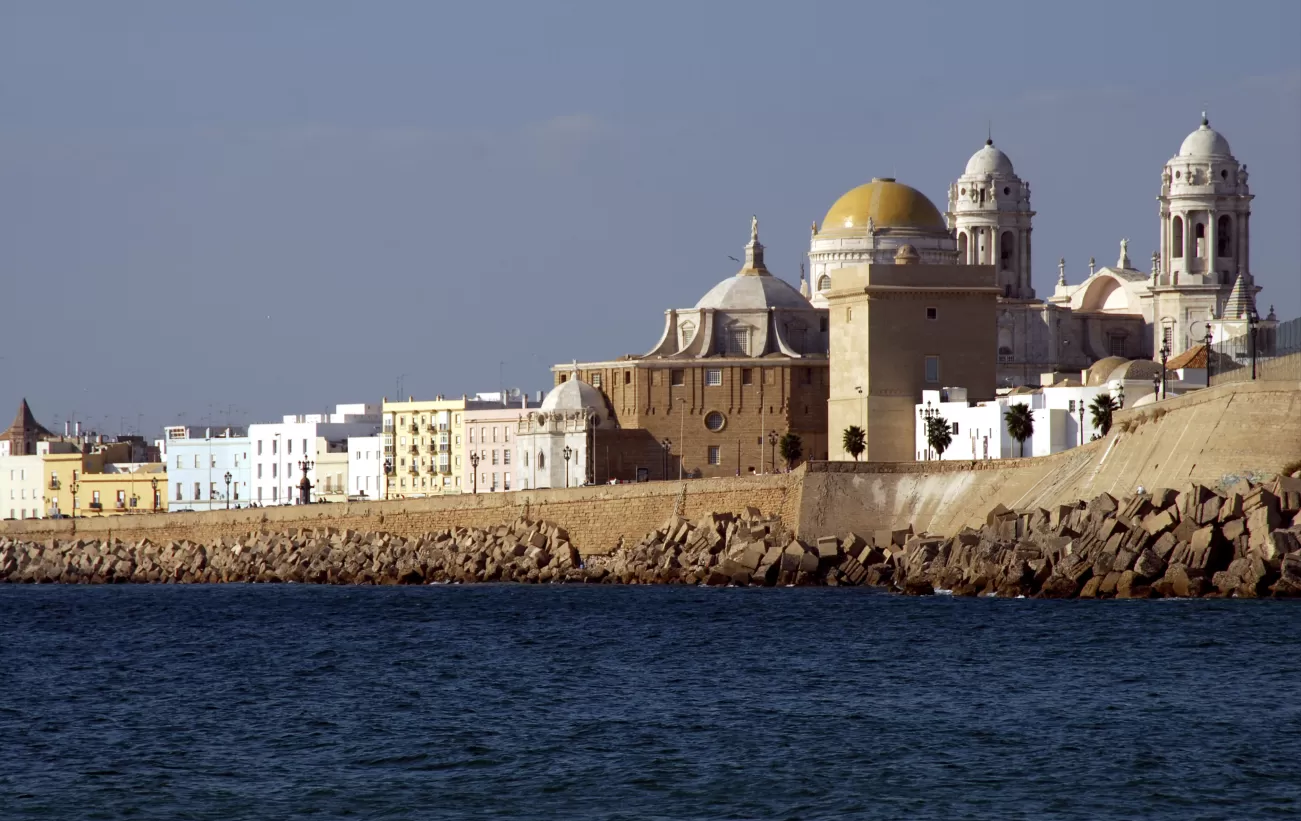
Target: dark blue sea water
[[273, 702]]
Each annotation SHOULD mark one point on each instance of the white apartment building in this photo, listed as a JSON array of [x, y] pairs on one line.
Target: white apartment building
[[281, 449], [365, 467], [22, 487]]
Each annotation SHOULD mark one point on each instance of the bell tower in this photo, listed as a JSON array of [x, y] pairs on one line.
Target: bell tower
[[989, 213]]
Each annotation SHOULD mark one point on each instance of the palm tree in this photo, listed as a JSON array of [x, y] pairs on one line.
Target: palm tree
[[1101, 409], [854, 441], [1020, 423], [938, 435], [791, 449]]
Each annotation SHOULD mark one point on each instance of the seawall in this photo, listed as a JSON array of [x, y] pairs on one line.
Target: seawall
[[1213, 437]]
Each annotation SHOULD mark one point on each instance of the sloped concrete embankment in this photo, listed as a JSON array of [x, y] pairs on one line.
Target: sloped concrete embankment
[[1213, 437]]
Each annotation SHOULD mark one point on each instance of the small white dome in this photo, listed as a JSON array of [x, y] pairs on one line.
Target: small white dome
[[989, 160], [1205, 142], [574, 395], [748, 292]]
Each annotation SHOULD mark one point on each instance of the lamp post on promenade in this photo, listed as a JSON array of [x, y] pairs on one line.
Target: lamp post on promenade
[[227, 477], [567, 452], [1253, 327], [388, 468], [305, 486], [772, 445], [666, 444], [474, 476], [1208, 340], [682, 436]]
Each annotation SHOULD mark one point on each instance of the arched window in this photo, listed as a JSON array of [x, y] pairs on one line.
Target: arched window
[[824, 283], [526, 458], [688, 333], [1199, 237], [1006, 250], [962, 248], [1177, 228], [542, 460], [1004, 344], [1222, 246]]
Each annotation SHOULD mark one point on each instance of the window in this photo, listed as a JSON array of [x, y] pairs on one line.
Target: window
[[483, 434], [505, 457], [289, 447], [627, 377], [808, 376], [213, 460], [275, 493], [688, 333], [1070, 406], [715, 455], [505, 481], [714, 377], [932, 369], [494, 434], [1177, 229], [955, 429], [715, 421], [1222, 236], [1167, 335], [747, 376], [212, 490], [259, 495], [849, 314], [179, 495], [932, 313], [259, 447], [1117, 345], [471, 432], [1199, 237], [526, 458], [273, 471], [738, 340], [196, 460], [678, 377], [494, 456], [275, 443], [822, 324], [542, 460], [178, 463], [259, 470], [198, 491], [596, 380]]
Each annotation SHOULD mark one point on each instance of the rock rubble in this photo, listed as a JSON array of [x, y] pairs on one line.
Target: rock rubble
[[1244, 542]]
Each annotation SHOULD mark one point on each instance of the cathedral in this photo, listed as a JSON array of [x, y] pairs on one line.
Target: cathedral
[[1199, 280]]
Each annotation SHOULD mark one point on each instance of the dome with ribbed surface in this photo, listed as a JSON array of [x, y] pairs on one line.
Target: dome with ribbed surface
[[888, 204]]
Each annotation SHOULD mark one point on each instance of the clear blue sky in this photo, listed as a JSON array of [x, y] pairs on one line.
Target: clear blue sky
[[272, 207]]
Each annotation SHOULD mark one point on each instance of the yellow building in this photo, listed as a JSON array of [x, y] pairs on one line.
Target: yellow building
[[102, 482], [420, 440]]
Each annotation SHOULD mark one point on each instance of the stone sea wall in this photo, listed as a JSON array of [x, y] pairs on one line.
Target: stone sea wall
[[1245, 542]]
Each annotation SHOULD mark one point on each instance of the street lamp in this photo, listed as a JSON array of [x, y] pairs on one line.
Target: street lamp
[[305, 486], [1208, 340], [227, 477], [772, 444], [666, 444], [928, 413], [682, 435], [567, 452], [388, 468], [474, 466], [153, 486], [1165, 356]]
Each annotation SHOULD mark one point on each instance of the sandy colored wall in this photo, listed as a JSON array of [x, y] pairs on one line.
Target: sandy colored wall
[[1213, 437], [596, 518]]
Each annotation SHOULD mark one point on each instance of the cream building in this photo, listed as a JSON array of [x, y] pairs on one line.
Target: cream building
[[419, 437]]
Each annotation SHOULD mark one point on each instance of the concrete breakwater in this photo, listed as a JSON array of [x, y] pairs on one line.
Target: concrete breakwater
[[1245, 542]]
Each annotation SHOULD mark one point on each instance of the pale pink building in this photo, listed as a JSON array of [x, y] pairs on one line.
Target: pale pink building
[[489, 431]]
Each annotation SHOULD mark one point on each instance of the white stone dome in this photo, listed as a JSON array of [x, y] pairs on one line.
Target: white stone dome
[[990, 160], [748, 292], [1205, 142], [574, 395]]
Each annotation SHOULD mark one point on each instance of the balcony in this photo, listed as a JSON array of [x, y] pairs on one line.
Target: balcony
[[96, 506], [55, 484], [415, 428], [415, 450]]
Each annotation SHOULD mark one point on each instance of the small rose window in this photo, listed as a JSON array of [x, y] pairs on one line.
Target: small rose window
[[715, 421]]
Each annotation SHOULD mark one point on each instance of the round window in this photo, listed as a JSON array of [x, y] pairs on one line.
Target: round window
[[1224, 175], [1007, 191], [715, 421], [1176, 175], [964, 192]]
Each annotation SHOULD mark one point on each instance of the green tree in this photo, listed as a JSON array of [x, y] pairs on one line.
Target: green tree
[[854, 441], [938, 435], [1020, 423], [1101, 410], [791, 449]]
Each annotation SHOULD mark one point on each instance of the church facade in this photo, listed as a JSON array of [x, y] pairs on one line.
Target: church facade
[[1199, 277]]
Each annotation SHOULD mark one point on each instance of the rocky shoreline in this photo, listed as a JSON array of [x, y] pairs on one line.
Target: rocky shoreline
[[1245, 542]]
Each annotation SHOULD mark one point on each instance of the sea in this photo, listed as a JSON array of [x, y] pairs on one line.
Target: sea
[[595, 702]]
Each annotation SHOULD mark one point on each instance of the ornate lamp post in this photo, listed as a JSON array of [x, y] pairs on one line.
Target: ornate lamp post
[[388, 468], [772, 444], [1165, 356], [567, 452], [474, 466], [227, 477], [153, 486], [682, 435], [667, 444], [305, 486], [73, 486], [1208, 340], [928, 413]]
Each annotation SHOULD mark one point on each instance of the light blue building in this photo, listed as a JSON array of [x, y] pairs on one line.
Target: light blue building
[[199, 460]]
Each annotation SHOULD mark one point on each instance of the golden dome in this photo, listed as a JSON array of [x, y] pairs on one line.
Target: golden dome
[[888, 204]]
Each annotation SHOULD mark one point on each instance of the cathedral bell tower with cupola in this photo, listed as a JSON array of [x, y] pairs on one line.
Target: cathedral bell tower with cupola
[[989, 213], [1205, 208]]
